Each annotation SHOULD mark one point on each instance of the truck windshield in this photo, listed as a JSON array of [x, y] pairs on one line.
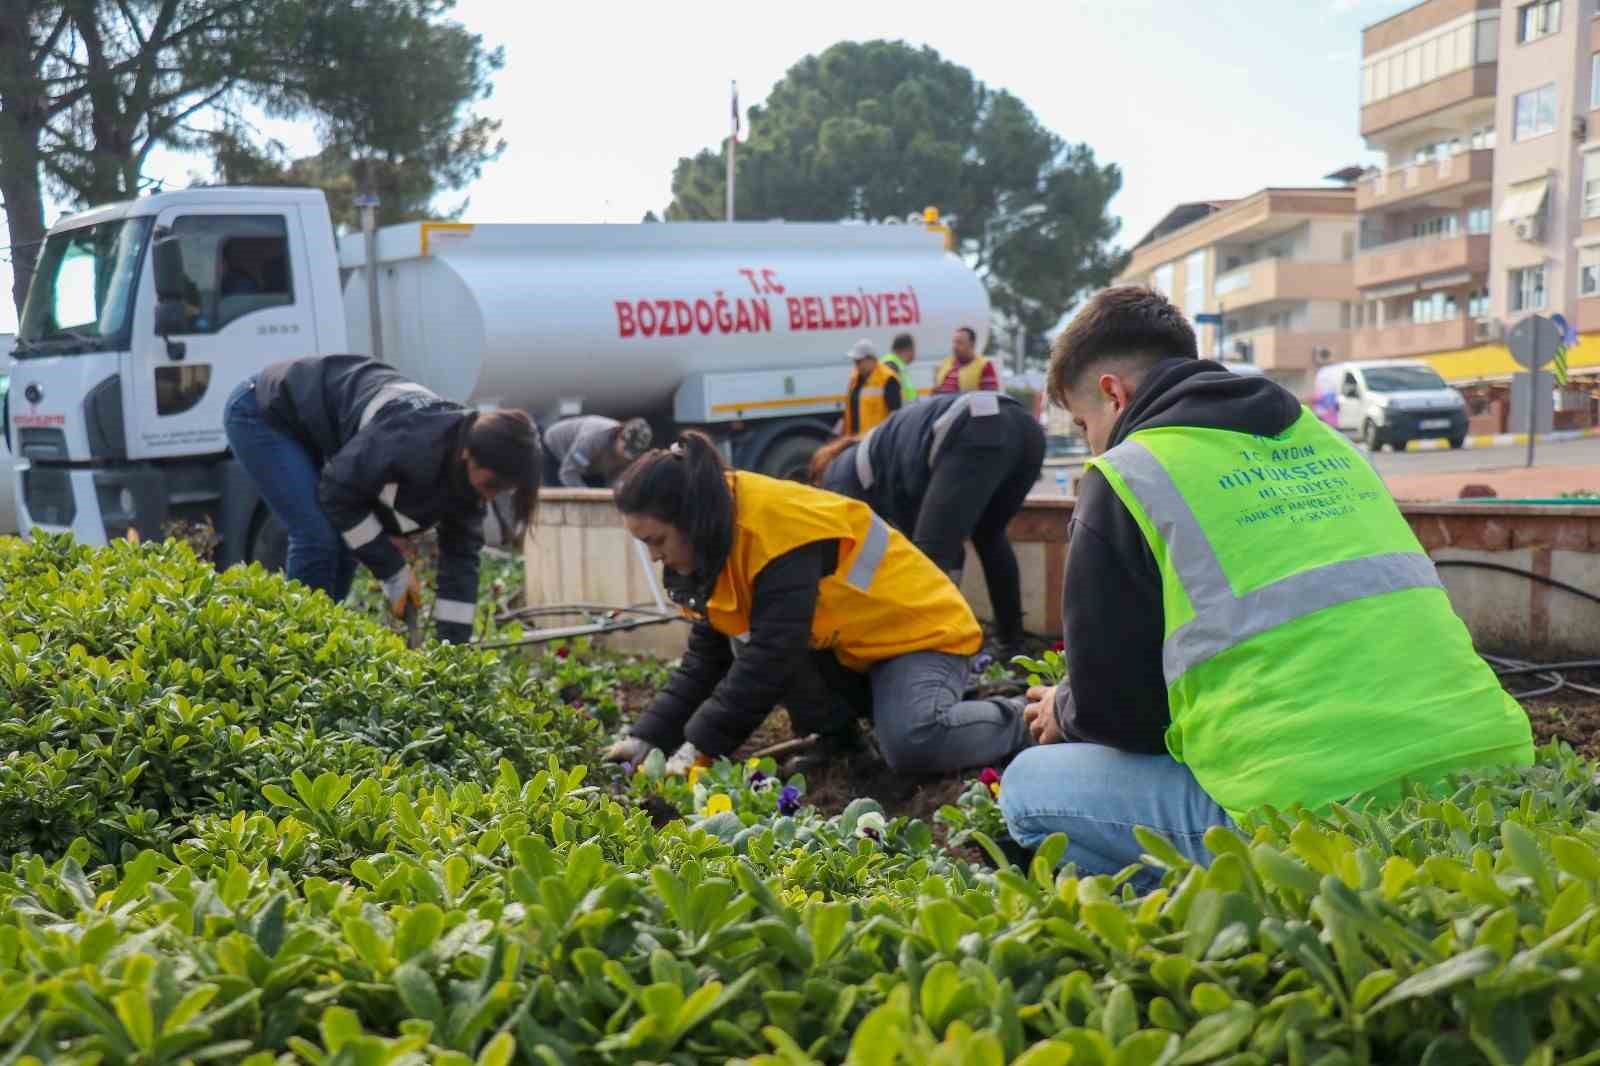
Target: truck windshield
[[81, 297], [1402, 378]]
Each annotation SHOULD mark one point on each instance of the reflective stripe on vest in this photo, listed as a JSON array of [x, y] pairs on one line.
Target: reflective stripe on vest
[[864, 472], [387, 395], [981, 404], [870, 558], [1222, 619]]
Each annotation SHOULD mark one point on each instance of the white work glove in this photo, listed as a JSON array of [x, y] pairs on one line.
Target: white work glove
[[684, 758], [630, 749]]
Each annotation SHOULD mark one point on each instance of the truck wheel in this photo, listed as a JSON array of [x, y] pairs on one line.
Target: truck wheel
[[1369, 436], [1399, 444], [1457, 443], [269, 542], [789, 458]]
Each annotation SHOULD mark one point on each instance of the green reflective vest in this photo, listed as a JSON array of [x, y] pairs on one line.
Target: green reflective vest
[[908, 391], [1311, 654]]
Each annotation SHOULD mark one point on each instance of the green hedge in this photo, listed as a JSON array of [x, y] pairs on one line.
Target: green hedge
[[368, 855]]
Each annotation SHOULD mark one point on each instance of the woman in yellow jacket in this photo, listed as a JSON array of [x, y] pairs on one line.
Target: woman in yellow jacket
[[806, 598]]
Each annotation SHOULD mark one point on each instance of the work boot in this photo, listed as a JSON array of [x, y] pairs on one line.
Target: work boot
[[1007, 646]]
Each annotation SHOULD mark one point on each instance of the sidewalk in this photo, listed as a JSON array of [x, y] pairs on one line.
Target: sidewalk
[[1501, 440]]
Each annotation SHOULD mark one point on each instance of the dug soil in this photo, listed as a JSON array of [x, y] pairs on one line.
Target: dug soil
[[1570, 714]]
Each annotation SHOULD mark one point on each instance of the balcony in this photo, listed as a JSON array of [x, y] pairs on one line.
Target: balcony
[[1405, 339], [1450, 175], [1285, 349], [1387, 264], [1269, 280], [1463, 86]]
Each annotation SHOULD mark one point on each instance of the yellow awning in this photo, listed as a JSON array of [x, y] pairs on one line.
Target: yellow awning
[[1494, 361]]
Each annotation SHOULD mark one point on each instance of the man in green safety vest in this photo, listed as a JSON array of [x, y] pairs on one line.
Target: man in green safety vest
[[1249, 619], [902, 351]]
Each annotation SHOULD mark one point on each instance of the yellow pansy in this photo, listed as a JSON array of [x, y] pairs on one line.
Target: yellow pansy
[[694, 775], [718, 804]]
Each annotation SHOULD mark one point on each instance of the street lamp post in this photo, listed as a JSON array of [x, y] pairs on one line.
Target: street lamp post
[[1010, 221]]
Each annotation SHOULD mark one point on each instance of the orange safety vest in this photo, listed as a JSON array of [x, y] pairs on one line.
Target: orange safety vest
[[886, 599], [870, 404], [971, 377]]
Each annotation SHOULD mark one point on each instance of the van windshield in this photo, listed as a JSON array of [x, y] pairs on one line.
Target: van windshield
[[1403, 378], [81, 297]]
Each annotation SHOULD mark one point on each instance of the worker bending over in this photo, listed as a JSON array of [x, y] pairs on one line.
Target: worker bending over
[[347, 453], [950, 469], [592, 451], [874, 390], [1249, 619], [808, 598]]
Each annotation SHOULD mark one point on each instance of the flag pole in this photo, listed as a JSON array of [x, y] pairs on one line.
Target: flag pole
[[733, 141]]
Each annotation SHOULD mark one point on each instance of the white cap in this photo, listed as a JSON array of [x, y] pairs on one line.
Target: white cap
[[862, 349]]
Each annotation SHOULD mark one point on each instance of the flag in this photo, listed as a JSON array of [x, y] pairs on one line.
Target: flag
[[735, 112], [1569, 338]]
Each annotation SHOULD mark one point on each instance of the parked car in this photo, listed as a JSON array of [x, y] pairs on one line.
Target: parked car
[[1391, 402]]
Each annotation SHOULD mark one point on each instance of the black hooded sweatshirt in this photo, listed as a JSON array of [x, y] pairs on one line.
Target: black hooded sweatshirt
[[1111, 608]]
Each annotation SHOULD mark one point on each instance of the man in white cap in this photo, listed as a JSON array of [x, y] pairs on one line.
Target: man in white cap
[[874, 392]]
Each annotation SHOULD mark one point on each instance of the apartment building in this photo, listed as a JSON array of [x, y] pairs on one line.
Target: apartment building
[[1487, 205], [1276, 266]]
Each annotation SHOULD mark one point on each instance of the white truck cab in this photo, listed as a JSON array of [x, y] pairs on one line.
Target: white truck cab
[[115, 411], [1391, 401]]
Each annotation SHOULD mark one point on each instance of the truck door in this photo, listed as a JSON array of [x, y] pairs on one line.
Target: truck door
[[246, 307]]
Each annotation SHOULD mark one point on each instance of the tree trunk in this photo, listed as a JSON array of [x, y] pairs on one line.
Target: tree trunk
[[23, 112]]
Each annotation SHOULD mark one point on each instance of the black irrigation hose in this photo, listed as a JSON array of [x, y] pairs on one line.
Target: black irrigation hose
[[1549, 672], [1520, 572]]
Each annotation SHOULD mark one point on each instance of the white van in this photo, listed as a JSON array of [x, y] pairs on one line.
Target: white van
[[1390, 401]]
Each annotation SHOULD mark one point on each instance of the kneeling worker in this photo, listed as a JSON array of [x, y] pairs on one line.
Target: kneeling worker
[[952, 468], [347, 453], [831, 611], [1249, 619], [592, 451]]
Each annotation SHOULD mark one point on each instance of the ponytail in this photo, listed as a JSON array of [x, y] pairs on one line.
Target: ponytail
[[685, 486], [824, 456]]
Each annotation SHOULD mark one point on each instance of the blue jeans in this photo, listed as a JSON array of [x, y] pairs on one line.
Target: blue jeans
[[287, 475], [1096, 795]]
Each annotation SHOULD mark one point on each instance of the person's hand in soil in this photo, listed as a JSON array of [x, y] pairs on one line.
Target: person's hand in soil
[[1040, 714], [629, 749], [686, 757]]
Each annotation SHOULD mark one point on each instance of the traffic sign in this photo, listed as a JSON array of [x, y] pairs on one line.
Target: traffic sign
[[1533, 341], [1207, 320]]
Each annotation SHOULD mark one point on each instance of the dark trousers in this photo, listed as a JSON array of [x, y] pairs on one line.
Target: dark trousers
[[915, 702], [287, 476], [979, 483]]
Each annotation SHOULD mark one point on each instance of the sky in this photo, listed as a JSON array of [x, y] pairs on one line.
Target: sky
[[599, 99]]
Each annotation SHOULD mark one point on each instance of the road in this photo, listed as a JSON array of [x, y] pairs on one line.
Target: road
[[1563, 466]]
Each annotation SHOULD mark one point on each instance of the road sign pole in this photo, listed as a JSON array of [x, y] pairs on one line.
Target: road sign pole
[[1533, 410]]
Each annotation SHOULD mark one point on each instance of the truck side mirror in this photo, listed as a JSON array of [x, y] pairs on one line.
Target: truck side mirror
[[171, 280]]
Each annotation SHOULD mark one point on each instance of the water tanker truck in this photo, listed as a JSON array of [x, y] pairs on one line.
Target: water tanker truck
[[142, 317]]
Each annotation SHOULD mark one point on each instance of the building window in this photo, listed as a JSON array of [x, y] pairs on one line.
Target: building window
[[1437, 227], [1534, 112], [1161, 280], [1591, 185], [1539, 19], [1478, 303], [1589, 271], [1479, 219], [1194, 283], [1435, 307], [1483, 137], [1527, 289]]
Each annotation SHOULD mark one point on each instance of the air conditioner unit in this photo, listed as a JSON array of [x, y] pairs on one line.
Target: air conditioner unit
[[1580, 127], [1322, 356], [1487, 329], [1527, 229]]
